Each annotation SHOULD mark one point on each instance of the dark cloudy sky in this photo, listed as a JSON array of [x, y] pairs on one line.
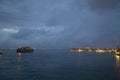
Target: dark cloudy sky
[[59, 23]]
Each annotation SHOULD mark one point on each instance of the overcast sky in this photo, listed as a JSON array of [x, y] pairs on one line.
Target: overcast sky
[[59, 23]]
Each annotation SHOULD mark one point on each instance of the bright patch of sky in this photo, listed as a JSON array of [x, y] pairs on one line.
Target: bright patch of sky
[[10, 30]]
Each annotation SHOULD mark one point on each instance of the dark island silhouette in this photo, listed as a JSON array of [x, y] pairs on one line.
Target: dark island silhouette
[[25, 49]]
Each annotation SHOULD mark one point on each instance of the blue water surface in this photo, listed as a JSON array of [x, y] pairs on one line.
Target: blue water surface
[[59, 65]]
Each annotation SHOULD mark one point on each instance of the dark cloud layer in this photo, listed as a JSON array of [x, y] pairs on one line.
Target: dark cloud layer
[[59, 23], [103, 4]]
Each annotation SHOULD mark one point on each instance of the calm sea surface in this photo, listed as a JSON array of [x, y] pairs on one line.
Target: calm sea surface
[[59, 65]]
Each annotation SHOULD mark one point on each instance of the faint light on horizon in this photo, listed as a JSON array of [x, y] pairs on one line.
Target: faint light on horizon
[[80, 50]]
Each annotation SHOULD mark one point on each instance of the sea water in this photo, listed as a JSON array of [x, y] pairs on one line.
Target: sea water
[[59, 64]]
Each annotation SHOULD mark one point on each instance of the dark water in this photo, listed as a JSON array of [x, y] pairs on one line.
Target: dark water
[[59, 65]]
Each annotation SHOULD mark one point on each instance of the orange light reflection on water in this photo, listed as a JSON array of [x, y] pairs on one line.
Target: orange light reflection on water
[[19, 54], [0, 55], [19, 65], [117, 57]]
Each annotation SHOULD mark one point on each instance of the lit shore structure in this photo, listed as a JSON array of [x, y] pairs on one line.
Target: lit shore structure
[[98, 50]]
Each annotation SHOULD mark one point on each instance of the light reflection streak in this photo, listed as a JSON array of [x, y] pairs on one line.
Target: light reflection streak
[[117, 70], [0, 58], [19, 65], [0, 55]]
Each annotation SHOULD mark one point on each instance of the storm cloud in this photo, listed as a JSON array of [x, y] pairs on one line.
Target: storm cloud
[[103, 4], [59, 23]]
